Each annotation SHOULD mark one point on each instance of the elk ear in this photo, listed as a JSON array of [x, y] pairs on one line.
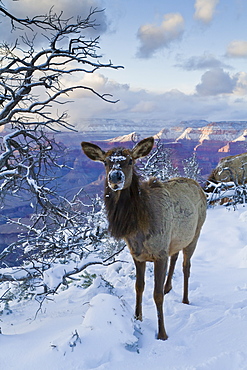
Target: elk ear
[[93, 151], [143, 148]]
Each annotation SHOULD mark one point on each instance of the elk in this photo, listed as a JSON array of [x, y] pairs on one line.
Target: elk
[[229, 173], [156, 219], [231, 168]]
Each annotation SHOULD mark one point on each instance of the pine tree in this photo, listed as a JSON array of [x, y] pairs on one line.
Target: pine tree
[[191, 167], [159, 164]]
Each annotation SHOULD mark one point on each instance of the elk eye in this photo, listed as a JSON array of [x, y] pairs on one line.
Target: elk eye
[[130, 161]]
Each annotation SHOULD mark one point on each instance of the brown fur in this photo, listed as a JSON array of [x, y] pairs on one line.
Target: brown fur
[[231, 168], [156, 219], [126, 211]]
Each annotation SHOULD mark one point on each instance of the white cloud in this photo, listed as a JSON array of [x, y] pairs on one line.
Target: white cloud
[[210, 102], [153, 38], [237, 49], [95, 81], [143, 106], [215, 82], [241, 86], [205, 9], [99, 83]]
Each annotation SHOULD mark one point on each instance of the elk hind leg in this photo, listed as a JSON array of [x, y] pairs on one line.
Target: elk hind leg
[[188, 252], [168, 284], [139, 286]]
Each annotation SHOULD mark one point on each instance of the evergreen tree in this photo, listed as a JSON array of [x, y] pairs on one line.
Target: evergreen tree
[[191, 168], [158, 164]]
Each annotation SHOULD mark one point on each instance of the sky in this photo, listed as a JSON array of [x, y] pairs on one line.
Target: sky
[[182, 59]]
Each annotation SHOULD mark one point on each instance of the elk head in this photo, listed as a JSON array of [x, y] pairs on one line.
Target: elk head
[[119, 162]]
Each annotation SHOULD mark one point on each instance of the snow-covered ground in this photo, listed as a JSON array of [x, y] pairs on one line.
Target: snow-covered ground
[[94, 328]]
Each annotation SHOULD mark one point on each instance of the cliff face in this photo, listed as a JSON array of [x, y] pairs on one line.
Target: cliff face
[[212, 142], [216, 131]]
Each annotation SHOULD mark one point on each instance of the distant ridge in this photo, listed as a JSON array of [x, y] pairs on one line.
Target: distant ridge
[[133, 136], [103, 128], [121, 129]]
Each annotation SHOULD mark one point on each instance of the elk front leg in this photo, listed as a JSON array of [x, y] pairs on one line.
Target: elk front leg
[[186, 271], [160, 267], [140, 283]]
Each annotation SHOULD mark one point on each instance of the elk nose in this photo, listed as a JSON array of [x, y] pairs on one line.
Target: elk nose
[[116, 176]]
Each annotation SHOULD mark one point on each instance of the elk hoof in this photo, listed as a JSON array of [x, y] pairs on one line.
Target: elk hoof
[[162, 336], [138, 317], [185, 301], [167, 289]]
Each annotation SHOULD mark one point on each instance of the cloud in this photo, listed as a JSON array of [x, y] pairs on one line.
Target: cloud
[[205, 61], [168, 107], [144, 106], [219, 96], [237, 49], [227, 103], [154, 38], [215, 82], [241, 86], [205, 9], [99, 83], [30, 8]]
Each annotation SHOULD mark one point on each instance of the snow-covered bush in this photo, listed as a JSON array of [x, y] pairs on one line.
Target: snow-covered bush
[[191, 168], [158, 164], [49, 258]]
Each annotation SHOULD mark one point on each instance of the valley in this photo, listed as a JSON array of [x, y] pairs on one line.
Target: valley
[[209, 140]]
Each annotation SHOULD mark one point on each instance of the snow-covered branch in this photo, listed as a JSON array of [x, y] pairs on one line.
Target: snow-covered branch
[[27, 164], [227, 193]]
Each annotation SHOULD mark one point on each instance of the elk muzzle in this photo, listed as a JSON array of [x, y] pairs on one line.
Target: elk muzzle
[[116, 179]]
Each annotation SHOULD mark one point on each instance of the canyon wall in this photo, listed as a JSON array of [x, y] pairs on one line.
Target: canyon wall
[[210, 141]]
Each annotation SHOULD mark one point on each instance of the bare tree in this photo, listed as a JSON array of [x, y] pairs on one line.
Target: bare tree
[[31, 79], [32, 84]]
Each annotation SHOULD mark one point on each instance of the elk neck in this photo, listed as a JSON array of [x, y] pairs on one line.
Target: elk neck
[[126, 209]]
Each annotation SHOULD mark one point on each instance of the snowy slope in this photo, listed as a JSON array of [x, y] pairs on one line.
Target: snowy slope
[[93, 328]]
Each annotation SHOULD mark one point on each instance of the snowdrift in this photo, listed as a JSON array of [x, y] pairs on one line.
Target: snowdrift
[[94, 328]]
